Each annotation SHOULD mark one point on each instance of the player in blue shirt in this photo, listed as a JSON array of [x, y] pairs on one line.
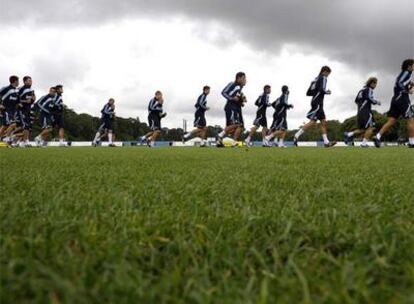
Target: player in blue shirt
[[401, 104], [364, 100], [200, 123]]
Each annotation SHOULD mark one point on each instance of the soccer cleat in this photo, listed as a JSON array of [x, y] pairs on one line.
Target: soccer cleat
[[219, 142], [295, 141], [330, 144], [111, 145], [38, 141], [377, 142], [410, 146], [364, 146], [347, 139]]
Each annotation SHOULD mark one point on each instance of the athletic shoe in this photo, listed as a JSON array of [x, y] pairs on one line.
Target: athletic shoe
[[377, 142], [410, 146], [112, 145], [38, 141], [364, 146], [295, 141], [331, 144], [219, 142], [347, 139]]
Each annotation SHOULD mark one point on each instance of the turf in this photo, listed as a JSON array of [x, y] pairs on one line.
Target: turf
[[168, 225]]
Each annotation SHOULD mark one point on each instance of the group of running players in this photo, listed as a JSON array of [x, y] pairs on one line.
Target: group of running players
[[18, 106]]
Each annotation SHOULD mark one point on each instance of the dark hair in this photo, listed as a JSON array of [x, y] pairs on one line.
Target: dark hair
[[206, 88], [53, 88], [266, 87], [285, 88], [158, 92], [26, 78], [406, 64], [325, 69], [111, 99], [240, 75], [59, 86], [371, 80], [13, 79]]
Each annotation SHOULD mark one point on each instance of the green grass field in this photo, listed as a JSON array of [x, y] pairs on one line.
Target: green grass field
[[174, 225]]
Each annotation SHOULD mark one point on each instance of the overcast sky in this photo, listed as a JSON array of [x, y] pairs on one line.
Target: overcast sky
[[128, 49]]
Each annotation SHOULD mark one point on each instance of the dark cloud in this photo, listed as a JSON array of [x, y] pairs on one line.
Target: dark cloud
[[373, 35]]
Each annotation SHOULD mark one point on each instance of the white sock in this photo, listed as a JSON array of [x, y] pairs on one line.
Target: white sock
[[96, 137], [270, 137], [350, 134], [248, 139], [222, 134], [187, 136], [365, 141], [61, 141], [299, 133], [110, 138], [378, 136], [281, 142], [26, 141], [411, 140], [325, 139]]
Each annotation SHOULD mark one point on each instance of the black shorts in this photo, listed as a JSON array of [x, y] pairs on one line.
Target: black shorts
[[365, 120], [45, 120], [9, 117], [279, 123], [260, 120], [200, 120], [232, 115], [401, 107], [58, 121], [316, 112], [105, 125], [154, 122]]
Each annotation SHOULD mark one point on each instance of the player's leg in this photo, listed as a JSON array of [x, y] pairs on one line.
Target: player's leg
[[410, 131], [251, 134], [324, 131]]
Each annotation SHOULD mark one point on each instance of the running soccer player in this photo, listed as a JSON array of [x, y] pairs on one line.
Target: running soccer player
[[200, 123], [401, 104], [58, 119], [279, 125], [234, 102], [45, 107], [155, 114], [364, 100], [261, 120], [318, 91], [9, 99], [106, 128], [27, 98]]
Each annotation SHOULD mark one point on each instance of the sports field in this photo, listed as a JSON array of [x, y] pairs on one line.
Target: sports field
[[136, 225]]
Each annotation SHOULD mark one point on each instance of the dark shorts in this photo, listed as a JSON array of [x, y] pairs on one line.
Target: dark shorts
[[45, 120], [105, 125], [58, 121], [200, 120], [154, 122], [233, 115], [316, 112], [260, 120], [365, 120], [279, 123], [401, 107], [8, 117]]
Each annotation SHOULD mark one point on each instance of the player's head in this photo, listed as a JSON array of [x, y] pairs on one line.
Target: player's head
[[241, 78], [27, 80], [325, 71], [267, 89], [111, 101], [206, 90], [372, 82], [14, 81], [158, 95], [285, 89], [59, 88], [52, 91], [408, 65]]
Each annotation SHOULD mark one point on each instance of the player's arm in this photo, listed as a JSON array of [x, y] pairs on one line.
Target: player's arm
[[371, 99]]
